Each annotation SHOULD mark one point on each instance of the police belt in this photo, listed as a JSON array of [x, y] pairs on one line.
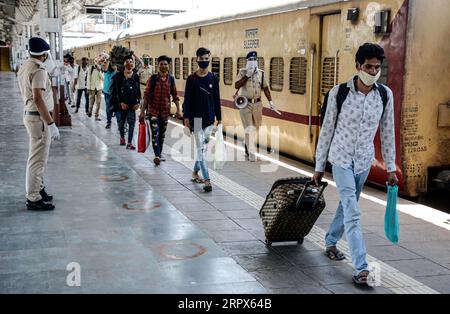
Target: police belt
[[34, 113], [253, 101]]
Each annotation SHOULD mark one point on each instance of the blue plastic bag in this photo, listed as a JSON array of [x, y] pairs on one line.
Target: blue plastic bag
[[391, 227]]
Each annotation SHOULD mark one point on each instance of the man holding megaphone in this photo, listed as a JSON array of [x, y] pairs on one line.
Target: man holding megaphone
[[250, 82]]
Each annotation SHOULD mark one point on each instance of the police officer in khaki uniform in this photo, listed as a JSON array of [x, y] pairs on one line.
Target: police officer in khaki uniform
[[250, 81], [35, 87], [145, 72]]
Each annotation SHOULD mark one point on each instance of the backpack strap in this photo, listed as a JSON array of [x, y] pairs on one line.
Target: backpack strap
[[153, 79], [341, 96], [384, 96]]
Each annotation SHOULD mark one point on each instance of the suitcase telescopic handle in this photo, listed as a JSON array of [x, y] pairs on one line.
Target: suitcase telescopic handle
[[323, 185]]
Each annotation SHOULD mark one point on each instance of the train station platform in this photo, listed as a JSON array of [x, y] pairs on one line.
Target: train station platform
[[136, 228]]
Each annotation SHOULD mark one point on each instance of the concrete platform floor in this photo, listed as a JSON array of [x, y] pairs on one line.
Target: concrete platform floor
[[136, 228]]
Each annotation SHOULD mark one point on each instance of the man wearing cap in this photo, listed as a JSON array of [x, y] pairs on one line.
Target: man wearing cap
[[35, 87], [250, 81], [145, 72]]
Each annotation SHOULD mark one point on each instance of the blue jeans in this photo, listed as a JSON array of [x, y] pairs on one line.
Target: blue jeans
[[202, 138], [348, 215], [159, 127], [108, 108], [86, 97], [130, 117]]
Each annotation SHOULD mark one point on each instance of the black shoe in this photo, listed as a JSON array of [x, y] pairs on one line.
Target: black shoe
[[76, 110], [89, 115], [39, 206], [73, 106], [108, 126], [98, 119], [46, 197]]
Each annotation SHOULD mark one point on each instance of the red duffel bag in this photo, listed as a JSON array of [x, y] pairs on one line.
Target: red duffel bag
[[143, 136]]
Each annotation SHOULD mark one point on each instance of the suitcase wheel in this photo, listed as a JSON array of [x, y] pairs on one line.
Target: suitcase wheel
[[268, 243], [300, 241]]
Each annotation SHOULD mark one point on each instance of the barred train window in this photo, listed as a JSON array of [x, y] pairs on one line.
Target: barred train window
[[185, 68], [151, 61], [228, 71], [215, 66], [156, 65], [177, 68], [193, 64], [384, 72], [328, 79], [261, 63], [276, 74], [171, 67], [297, 76], [241, 63]]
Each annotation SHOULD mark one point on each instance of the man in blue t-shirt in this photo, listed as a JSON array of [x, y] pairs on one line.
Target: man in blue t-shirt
[[200, 108]]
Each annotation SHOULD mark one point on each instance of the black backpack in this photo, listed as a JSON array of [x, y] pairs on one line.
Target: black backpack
[[342, 95]]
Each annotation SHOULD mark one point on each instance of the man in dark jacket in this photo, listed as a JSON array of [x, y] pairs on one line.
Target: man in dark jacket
[[200, 108], [128, 98]]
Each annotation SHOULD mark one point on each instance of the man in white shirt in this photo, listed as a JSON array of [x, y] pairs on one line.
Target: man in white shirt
[[95, 86], [81, 75], [346, 141]]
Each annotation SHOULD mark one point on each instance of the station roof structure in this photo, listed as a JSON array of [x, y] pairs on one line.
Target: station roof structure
[[15, 13]]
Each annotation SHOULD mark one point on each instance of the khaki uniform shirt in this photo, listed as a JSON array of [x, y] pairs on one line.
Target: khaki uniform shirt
[[144, 75], [32, 74], [255, 84]]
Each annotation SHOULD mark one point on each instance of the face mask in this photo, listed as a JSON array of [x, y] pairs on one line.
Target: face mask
[[203, 64], [252, 63], [50, 65], [368, 79]]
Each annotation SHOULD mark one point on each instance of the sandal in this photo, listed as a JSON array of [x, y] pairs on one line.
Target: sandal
[[334, 254], [197, 180], [361, 278]]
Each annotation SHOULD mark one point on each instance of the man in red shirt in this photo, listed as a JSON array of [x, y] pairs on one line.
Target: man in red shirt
[[157, 104]]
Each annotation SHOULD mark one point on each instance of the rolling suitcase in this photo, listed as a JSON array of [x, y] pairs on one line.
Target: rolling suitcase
[[291, 209]]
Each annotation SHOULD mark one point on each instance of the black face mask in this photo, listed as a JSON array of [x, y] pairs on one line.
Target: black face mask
[[203, 64]]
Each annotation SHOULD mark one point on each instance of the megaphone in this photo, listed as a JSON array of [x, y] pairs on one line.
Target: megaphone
[[241, 102]]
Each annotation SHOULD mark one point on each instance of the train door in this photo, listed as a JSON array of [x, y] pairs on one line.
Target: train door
[[4, 59], [331, 33]]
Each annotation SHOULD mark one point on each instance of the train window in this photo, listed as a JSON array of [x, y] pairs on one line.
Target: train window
[[180, 49], [241, 63], [384, 72], [261, 63], [328, 74], [151, 61], [215, 67], [171, 67], [193, 64], [276, 74], [297, 76], [228, 71], [177, 68], [185, 68], [156, 65]]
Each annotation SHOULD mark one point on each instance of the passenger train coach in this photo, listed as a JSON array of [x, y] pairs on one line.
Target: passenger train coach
[[306, 48]]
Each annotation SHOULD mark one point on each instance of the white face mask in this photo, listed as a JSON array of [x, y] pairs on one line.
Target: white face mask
[[253, 64], [368, 79], [50, 65]]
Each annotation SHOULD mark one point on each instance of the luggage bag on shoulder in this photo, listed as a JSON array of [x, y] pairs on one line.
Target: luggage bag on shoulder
[[291, 209]]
